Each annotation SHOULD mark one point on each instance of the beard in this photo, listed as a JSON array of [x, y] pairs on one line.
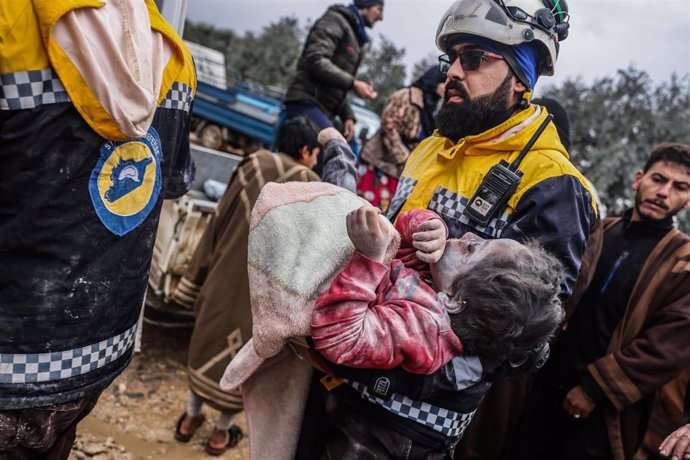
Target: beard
[[456, 120], [650, 218]]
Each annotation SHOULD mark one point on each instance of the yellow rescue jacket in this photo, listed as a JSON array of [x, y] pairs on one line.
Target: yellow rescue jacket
[[27, 45], [553, 203]]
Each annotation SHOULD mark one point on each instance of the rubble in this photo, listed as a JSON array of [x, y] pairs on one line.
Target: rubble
[[135, 416]]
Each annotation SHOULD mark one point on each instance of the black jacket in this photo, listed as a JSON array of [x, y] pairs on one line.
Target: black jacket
[[330, 59]]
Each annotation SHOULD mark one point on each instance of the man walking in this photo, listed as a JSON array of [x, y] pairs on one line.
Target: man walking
[[329, 62], [628, 335]]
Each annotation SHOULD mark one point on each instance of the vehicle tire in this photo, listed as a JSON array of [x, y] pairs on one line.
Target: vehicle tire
[[211, 136]]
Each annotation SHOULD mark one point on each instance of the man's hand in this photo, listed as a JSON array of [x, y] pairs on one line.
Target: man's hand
[[349, 129], [577, 403], [364, 90], [367, 231], [677, 444], [430, 241]]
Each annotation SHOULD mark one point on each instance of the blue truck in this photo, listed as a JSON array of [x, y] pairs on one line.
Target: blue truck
[[242, 116], [238, 115]]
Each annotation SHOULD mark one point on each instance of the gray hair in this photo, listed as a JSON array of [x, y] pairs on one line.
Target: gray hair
[[510, 304]]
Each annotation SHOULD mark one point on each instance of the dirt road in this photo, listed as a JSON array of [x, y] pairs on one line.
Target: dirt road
[[135, 417]]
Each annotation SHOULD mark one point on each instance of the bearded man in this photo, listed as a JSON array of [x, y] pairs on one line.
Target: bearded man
[[495, 50], [487, 117], [628, 335], [494, 53]]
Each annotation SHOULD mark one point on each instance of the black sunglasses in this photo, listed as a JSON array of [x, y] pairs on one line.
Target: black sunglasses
[[469, 59]]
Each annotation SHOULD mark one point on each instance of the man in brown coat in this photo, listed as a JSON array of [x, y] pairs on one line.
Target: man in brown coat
[[628, 335]]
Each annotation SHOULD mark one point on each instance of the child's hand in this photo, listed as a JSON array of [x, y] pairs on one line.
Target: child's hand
[[367, 232], [430, 240]]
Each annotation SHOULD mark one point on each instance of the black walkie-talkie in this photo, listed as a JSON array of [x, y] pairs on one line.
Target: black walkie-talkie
[[499, 184]]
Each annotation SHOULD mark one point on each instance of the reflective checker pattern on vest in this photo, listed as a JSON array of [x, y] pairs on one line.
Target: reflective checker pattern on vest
[[31, 89], [405, 187], [444, 421], [451, 206], [179, 97], [46, 367]]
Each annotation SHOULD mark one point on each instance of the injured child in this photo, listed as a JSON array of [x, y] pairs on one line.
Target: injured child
[[497, 301], [493, 302]]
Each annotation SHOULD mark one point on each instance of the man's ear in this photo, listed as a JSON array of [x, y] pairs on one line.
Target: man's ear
[[686, 205], [518, 86], [519, 90], [304, 152], [637, 179]]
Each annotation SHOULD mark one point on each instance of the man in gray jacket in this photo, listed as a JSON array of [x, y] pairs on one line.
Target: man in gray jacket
[[330, 58]]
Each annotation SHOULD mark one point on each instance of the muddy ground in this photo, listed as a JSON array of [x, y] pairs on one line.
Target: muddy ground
[[135, 417]]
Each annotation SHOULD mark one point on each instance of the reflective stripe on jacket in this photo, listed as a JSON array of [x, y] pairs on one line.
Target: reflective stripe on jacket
[[552, 204]]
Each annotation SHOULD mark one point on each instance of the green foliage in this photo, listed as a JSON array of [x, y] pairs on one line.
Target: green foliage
[[616, 121], [423, 65], [207, 35], [269, 57], [383, 68]]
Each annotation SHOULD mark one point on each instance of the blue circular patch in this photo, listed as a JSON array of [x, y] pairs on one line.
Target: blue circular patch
[[125, 183]]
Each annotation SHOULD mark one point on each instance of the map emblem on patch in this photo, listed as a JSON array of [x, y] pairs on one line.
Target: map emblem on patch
[[126, 182]]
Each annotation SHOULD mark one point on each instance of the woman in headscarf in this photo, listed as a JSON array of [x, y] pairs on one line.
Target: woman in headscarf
[[407, 119]]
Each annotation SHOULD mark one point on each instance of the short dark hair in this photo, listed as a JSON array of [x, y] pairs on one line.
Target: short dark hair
[[295, 134], [510, 304], [669, 151]]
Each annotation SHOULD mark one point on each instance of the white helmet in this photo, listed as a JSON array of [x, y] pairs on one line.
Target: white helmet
[[509, 22]]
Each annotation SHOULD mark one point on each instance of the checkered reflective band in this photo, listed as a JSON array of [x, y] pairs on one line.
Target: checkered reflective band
[[31, 89], [402, 193], [46, 367], [444, 421], [179, 97], [452, 205]]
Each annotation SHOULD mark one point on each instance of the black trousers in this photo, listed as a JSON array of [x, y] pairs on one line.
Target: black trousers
[[42, 433], [358, 437], [547, 432], [334, 431]]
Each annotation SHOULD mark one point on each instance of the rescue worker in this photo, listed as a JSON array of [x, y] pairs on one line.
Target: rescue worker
[[95, 109]]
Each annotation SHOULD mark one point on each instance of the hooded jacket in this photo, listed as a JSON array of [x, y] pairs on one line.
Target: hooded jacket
[[401, 130], [553, 202], [94, 134], [329, 61]]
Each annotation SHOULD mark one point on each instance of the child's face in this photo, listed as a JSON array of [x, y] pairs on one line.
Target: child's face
[[463, 254]]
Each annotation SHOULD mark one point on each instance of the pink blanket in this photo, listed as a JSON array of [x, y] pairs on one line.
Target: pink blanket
[[297, 244]]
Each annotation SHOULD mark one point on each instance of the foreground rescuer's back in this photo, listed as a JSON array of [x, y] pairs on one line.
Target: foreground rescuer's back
[[82, 179]]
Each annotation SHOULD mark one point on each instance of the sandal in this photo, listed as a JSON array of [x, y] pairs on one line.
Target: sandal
[[234, 436], [197, 421]]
